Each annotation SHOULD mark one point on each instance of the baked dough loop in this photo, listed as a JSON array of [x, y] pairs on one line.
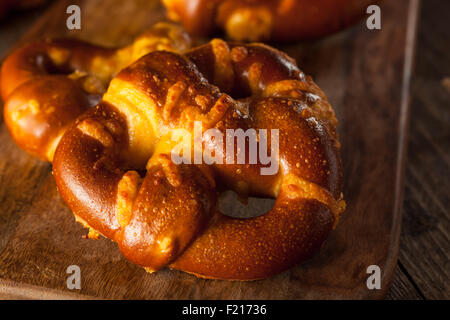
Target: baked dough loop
[[47, 84], [114, 166], [263, 20]]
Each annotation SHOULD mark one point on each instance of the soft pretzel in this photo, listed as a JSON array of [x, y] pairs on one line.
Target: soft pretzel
[[114, 169], [258, 20], [46, 85]]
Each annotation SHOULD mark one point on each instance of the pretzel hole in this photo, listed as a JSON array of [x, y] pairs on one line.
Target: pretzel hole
[[230, 204], [90, 83], [46, 64]]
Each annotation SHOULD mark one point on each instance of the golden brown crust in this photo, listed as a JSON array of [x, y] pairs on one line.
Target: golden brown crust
[[169, 217], [259, 20], [46, 85], [112, 163]]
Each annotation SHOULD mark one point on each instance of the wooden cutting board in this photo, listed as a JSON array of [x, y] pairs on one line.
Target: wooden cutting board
[[366, 77]]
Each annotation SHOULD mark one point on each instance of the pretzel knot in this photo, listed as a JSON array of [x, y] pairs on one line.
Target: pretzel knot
[[114, 166]]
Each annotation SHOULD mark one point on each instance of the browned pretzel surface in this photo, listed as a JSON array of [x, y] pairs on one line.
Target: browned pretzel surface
[[114, 169], [113, 162], [257, 20], [47, 84]]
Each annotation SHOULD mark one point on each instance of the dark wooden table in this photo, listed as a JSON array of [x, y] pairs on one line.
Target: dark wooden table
[[423, 266]]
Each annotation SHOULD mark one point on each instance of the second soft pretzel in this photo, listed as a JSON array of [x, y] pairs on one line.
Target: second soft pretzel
[[47, 84], [262, 20], [113, 167]]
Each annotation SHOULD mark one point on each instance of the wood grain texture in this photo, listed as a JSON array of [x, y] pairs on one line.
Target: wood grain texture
[[403, 287], [425, 240], [366, 78]]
